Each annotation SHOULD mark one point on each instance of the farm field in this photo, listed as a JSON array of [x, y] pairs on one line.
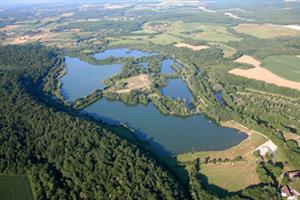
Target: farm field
[[15, 187], [208, 32], [262, 74], [265, 31], [232, 176], [285, 66]]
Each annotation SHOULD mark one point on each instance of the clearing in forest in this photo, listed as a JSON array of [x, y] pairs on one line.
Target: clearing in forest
[[261, 74], [135, 83], [232, 176], [9, 28], [15, 187], [194, 48]]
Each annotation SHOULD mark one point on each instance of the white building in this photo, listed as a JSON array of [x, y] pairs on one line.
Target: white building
[[268, 147]]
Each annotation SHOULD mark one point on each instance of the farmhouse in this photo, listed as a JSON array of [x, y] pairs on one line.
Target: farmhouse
[[289, 193], [268, 147]]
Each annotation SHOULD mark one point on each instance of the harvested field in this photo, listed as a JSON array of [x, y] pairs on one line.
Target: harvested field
[[135, 83], [31, 38], [233, 16], [9, 28], [67, 14], [295, 27], [261, 74], [194, 48]]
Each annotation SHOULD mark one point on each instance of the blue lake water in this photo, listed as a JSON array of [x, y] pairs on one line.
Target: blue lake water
[[177, 88], [83, 78], [219, 97], [173, 133], [122, 52], [166, 66]]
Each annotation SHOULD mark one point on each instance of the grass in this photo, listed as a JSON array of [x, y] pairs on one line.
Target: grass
[[232, 176], [265, 31], [227, 50], [15, 187], [178, 30], [295, 184], [208, 32], [285, 66]]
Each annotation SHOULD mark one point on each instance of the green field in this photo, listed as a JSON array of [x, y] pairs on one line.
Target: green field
[[15, 188], [265, 31], [285, 66], [232, 176]]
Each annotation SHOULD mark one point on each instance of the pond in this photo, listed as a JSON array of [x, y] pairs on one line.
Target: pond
[[122, 52], [83, 78], [219, 98], [177, 88], [170, 133]]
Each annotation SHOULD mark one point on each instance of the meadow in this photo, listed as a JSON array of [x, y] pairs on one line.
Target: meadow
[[15, 187], [286, 66], [265, 31]]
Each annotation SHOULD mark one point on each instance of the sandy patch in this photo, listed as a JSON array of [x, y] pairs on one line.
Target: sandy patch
[[295, 27], [237, 126], [233, 16], [135, 83], [9, 28], [206, 10], [68, 14], [261, 74], [194, 48]]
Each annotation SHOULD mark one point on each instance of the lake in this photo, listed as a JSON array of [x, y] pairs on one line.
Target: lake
[[83, 78], [122, 52], [173, 134]]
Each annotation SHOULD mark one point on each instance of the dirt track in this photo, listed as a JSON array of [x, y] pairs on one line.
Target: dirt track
[[262, 74]]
